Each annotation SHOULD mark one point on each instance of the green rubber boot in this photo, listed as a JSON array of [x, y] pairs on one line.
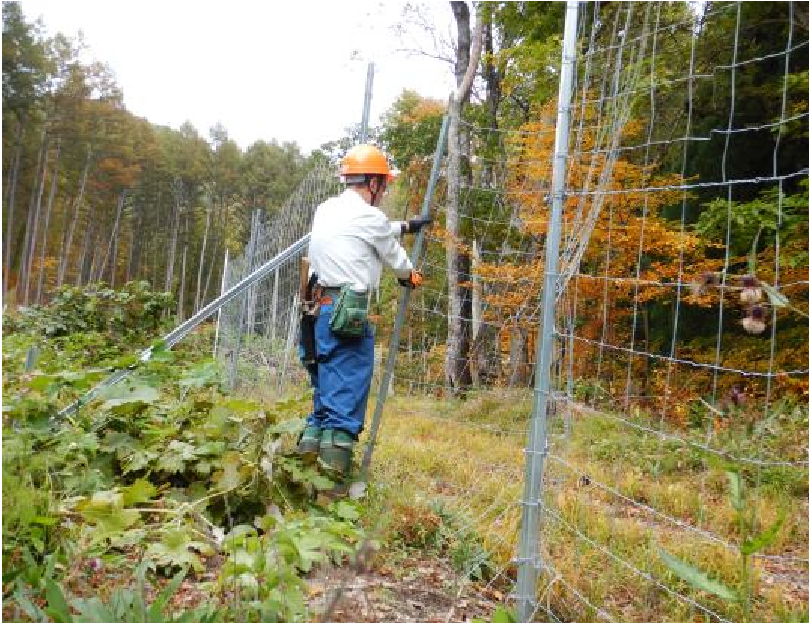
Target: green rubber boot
[[309, 444], [336, 449]]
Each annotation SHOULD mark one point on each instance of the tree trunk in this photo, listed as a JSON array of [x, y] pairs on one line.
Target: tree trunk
[[132, 238], [136, 248], [457, 369], [202, 259], [181, 294], [114, 259], [82, 276], [111, 244], [46, 226], [94, 274], [65, 252], [173, 244], [10, 200], [475, 360], [33, 223], [517, 357], [486, 355], [211, 267]]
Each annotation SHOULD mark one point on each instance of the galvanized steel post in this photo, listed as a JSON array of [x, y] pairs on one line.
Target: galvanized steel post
[[366, 106], [529, 560], [415, 255]]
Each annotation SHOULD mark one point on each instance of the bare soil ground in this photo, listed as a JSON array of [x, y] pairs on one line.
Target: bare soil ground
[[418, 590]]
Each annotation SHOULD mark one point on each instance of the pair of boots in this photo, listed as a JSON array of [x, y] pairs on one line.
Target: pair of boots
[[332, 449]]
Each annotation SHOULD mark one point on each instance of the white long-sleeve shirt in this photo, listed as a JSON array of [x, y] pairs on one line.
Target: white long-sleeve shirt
[[351, 239]]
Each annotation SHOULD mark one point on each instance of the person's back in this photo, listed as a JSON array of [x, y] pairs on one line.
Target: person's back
[[350, 241]]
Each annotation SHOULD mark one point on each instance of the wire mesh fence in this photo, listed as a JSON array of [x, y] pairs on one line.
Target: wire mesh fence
[[675, 465], [677, 429], [257, 335]]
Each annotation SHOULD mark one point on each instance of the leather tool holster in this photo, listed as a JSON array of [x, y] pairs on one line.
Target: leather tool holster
[[310, 306]]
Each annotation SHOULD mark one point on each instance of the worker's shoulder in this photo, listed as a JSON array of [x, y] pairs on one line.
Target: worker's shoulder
[[373, 212], [328, 202]]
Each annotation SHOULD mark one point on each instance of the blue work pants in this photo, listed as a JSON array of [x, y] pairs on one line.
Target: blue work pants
[[341, 377]]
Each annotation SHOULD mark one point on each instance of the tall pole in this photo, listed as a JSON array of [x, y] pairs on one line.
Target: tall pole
[[219, 311], [404, 298], [366, 107], [537, 444]]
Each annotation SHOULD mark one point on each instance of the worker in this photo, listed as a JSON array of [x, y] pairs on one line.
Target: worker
[[351, 238]]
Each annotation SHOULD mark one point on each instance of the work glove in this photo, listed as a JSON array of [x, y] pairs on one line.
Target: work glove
[[415, 224], [414, 280]]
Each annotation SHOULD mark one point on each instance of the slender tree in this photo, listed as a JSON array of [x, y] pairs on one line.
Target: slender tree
[[457, 368], [46, 226]]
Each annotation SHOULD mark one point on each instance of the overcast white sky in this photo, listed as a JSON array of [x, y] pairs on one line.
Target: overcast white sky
[[285, 70]]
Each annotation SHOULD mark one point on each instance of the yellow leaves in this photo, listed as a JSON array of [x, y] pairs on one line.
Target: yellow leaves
[[627, 226], [440, 233]]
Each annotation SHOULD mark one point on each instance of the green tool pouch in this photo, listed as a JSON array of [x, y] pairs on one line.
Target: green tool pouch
[[350, 313]]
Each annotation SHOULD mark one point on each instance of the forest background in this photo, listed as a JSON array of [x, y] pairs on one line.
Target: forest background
[[93, 193]]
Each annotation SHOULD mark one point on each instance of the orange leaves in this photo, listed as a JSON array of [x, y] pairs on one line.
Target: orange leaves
[[117, 173], [628, 224], [423, 109]]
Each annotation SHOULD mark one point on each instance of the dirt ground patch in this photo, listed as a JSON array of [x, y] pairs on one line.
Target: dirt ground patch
[[417, 590]]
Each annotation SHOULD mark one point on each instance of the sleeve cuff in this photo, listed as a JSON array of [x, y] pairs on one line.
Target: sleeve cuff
[[404, 273]]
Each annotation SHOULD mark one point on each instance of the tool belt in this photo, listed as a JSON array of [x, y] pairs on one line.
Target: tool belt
[[348, 319]]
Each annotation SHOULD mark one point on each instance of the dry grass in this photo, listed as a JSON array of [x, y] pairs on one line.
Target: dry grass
[[610, 498]]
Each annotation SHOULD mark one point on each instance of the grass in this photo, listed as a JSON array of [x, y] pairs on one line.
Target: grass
[[611, 492]]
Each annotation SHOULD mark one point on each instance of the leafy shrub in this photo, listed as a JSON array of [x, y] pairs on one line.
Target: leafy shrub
[[132, 309], [161, 465]]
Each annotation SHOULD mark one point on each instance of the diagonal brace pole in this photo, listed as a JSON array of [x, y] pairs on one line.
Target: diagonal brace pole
[[179, 332], [415, 256]]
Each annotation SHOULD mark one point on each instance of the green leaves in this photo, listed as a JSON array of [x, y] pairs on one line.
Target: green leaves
[[696, 578], [750, 545], [201, 375], [138, 492], [177, 455], [127, 393], [57, 606], [156, 609], [736, 484], [777, 299], [500, 615], [105, 511], [763, 539], [345, 510], [752, 256], [123, 605], [230, 476], [178, 546]]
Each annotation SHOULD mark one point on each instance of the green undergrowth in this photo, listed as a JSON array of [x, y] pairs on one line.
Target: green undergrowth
[[163, 475]]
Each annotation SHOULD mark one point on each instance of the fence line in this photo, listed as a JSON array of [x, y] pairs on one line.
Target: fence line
[[654, 387]]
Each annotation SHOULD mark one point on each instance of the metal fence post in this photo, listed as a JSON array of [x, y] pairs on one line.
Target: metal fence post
[[403, 300], [219, 311], [529, 556], [243, 315], [366, 105]]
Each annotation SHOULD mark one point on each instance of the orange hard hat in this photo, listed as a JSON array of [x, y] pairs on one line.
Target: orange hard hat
[[365, 160]]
